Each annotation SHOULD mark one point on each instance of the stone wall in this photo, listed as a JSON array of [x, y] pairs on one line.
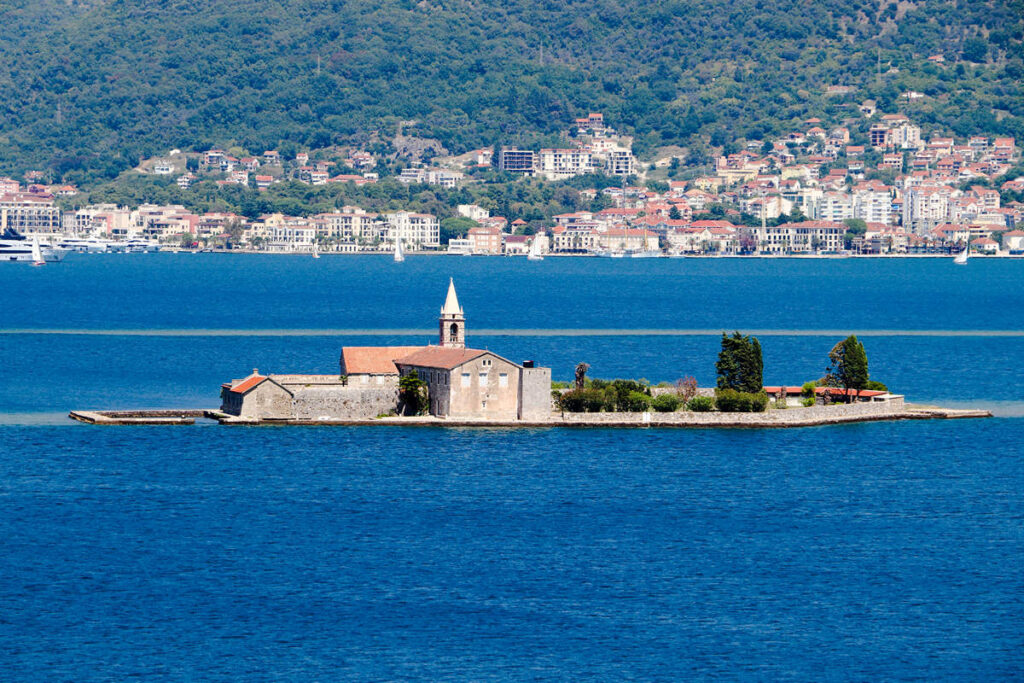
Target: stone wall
[[269, 400], [343, 402], [779, 418], [535, 394]]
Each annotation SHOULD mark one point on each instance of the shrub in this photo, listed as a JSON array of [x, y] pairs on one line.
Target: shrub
[[807, 390], [732, 401], [701, 404], [808, 402], [686, 388], [634, 402], [666, 403], [583, 401], [876, 386], [412, 394]]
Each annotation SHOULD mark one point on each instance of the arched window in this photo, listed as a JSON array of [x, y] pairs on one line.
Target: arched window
[[454, 336]]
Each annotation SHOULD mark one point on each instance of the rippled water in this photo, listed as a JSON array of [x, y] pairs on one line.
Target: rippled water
[[868, 552]]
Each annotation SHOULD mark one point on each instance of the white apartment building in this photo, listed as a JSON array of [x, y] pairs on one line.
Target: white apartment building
[[806, 237], [925, 205], [292, 235], [872, 206], [836, 207], [559, 164], [473, 212], [351, 224], [416, 230]]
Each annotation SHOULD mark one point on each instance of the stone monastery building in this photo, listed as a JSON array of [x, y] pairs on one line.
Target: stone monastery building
[[461, 383]]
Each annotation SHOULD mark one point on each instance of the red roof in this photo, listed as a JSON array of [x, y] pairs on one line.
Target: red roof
[[373, 360], [440, 357], [865, 393], [248, 383]]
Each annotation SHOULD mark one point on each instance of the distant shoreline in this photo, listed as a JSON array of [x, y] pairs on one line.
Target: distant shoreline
[[307, 254]]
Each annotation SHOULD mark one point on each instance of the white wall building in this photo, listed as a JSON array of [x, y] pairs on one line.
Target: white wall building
[[416, 230]]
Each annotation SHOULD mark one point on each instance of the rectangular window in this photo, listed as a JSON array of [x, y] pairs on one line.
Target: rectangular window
[[365, 379], [483, 378], [465, 379], [503, 380]]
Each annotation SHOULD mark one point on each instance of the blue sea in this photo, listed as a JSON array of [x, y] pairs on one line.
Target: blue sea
[[885, 551]]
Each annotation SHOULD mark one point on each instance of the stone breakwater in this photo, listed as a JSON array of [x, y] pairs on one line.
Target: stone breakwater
[[774, 418]]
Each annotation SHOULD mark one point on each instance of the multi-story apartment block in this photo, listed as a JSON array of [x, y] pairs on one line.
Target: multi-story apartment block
[[485, 240], [351, 224], [30, 213], [559, 164], [925, 206], [293, 234], [620, 162], [415, 230], [872, 203], [807, 236], [835, 207], [430, 176], [517, 160]]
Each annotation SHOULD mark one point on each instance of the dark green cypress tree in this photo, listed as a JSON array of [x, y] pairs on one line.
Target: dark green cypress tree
[[740, 365], [855, 365]]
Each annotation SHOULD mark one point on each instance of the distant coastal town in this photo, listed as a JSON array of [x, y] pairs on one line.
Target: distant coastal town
[[872, 185]]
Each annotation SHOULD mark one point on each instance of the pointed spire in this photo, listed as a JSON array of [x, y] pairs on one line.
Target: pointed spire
[[451, 302]]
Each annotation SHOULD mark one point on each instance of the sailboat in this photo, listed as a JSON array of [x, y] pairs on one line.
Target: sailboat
[[961, 258], [534, 254], [316, 250], [37, 253], [399, 252]]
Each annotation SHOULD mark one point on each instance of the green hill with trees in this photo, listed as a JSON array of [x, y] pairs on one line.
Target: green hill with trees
[[91, 86]]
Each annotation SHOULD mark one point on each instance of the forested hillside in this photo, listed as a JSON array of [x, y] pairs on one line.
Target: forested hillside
[[89, 86]]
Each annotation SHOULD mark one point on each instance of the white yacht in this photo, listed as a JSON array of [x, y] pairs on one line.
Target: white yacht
[[83, 244], [16, 247]]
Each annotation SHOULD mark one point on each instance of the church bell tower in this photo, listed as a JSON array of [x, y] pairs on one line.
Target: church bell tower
[[453, 321]]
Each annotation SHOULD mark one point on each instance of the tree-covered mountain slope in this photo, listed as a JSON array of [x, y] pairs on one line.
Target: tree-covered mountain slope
[[88, 86]]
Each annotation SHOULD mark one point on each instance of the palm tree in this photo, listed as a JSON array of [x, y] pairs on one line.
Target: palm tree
[[581, 374]]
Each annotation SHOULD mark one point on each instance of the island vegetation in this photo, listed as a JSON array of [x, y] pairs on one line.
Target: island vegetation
[[739, 385]]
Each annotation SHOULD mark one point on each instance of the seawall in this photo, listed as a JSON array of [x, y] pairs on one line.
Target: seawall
[[772, 419]]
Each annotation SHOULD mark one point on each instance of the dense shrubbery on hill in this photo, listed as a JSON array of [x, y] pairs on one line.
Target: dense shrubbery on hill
[[91, 86]]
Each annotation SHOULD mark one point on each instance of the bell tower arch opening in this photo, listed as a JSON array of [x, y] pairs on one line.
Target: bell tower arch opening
[[453, 321]]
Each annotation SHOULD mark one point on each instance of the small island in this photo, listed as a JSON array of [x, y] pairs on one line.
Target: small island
[[449, 384]]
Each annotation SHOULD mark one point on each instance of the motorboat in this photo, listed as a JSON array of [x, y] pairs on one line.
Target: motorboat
[[961, 258]]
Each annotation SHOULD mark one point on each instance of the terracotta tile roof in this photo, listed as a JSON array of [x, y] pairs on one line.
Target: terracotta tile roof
[[248, 383], [373, 360], [835, 391], [440, 357]]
